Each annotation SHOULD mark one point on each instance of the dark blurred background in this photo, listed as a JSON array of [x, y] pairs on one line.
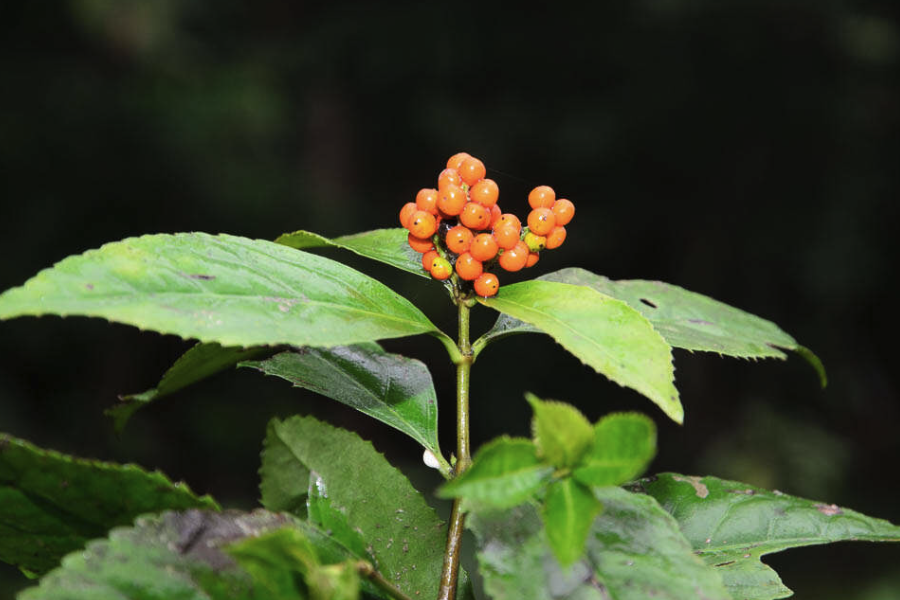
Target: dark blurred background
[[746, 150]]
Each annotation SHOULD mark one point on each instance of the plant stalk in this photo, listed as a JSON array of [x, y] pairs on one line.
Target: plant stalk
[[365, 569], [452, 552]]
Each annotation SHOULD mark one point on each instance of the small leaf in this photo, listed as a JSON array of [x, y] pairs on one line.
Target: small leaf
[[624, 444], [389, 246], [172, 555], [569, 511], [199, 362], [634, 551], [504, 472], [605, 333], [51, 504], [394, 389], [225, 289], [685, 319], [732, 524], [378, 501], [326, 517], [561, 433]]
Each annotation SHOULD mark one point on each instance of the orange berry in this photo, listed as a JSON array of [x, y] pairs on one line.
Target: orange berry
[[406, 212], [428, 258], [535, 242], [484, 247], [533, 257], [510, 219], [421, 245], [485, 192], [495, 214], [468, 267], [441, 268], [427, 199], [475, 216], [556, 237], [564, 211], [472, 170], [452, 200], [515, 258], [422, 224], [506, 236], [459, 239], [448, 177], [541, 221], [487, 285], [542, 196], [454, 161]]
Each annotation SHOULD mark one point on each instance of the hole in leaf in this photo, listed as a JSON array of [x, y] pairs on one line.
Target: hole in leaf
[[648, 303]]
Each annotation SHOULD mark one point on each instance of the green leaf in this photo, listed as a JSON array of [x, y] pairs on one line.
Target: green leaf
[[172, 555], [504, 472], [624, 444], [561, 433], [396, 390], [569, 511], [685, 319], [732, 524], [225, 289], [384, 245], [199, 362], [605, 333], [378, 501], [326, 517], [634, 551], [51, 504]]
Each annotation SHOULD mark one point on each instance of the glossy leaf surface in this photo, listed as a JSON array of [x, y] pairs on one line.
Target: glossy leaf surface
[[394, 389], [624, 444], [199, 362], [604, 333], [634, 551], [732, 524], [384, 245], [51, 503], [504, 472], [225, 289], [685, 319], [378, 501]]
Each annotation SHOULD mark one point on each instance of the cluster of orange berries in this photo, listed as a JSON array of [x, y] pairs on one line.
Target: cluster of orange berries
[[460, 228]]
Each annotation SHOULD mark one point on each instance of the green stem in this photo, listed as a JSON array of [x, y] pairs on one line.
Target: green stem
[[366, 569], [452, 552]]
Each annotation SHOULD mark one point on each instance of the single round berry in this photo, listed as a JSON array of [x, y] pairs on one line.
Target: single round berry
[[468, 267], [441, 268], [485, 192], [564, 211], [427, 199], [472, 171], [428, 258], [459, 239], [541, 221], [475, 216], [495, 214], [484, 247], [487, 285], [448, 177], [533, 257], [506, 236], [535, 242], [452, 200], [422, 224], [510, 219], [406, 212], [454, 161], [542, 196], [515, 258], [421, 245], [556, 237]]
